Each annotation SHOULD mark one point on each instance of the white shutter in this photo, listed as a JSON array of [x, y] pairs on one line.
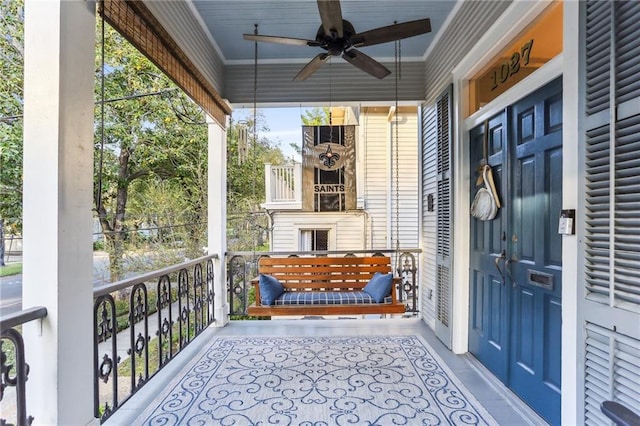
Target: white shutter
[[612, 162], [611, 307], [611, 371], [627, 51], [429, 218]]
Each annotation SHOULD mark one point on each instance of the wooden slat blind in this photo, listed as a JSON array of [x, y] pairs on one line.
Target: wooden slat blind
[[135, 22]]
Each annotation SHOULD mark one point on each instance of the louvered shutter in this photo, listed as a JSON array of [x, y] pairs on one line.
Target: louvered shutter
[[612, 206], [443, 236], [429, 218], [611, 371]]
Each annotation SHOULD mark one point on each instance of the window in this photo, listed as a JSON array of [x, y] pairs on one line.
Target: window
[[536, 45], [314, 239]]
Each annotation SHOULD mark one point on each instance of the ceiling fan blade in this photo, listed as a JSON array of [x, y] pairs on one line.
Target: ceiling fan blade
[[392, 33], [280, 40], [331, 16], [366, 63], [312, 67]]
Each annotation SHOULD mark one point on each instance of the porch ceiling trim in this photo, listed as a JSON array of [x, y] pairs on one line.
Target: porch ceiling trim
[[137, 24]]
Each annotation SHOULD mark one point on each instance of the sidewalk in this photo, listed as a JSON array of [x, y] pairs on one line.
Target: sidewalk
[[10, 258], [100, 265]]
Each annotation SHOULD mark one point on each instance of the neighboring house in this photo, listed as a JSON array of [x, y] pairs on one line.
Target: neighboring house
[[355, 193]]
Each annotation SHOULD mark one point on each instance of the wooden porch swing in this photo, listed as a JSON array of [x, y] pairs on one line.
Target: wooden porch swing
[[331, 285]]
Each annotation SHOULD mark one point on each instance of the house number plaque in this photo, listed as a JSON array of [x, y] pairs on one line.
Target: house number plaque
[[502, 73]]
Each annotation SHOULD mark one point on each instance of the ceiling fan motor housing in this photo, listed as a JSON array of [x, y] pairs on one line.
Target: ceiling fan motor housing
[[332, 43]]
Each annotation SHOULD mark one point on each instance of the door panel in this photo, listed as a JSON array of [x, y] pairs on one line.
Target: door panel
[[536, 251], [488, 339], [516, 259], [553, 174]]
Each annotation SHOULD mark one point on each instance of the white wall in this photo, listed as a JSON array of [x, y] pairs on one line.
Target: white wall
[[374, 136], [377, 134], [347, 230], [408, 178]]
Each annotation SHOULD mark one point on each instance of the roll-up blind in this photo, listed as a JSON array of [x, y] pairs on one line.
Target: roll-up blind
[[135, 22]]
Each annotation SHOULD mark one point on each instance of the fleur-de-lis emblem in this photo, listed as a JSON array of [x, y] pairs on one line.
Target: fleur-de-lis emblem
[[328, 157]]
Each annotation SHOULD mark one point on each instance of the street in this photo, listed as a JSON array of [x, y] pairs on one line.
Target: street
[[11, 286], [10, 294]]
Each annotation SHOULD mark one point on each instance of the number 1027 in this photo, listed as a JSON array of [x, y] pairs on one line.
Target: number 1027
[[512, 66]]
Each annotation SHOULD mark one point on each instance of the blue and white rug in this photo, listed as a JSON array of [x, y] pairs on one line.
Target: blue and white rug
[[316, 381]]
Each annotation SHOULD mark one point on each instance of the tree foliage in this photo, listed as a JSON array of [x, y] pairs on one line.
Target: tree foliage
[[151, 152], [11, 108], [317, 116], [247, 222]]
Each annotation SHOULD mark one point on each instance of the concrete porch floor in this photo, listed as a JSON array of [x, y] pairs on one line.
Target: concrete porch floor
[[501, 403]]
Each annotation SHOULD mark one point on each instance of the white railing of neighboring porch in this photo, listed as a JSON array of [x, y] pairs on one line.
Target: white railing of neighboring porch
[[283, 184]]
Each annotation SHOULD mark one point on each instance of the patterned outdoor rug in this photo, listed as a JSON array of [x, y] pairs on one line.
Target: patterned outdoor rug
[[316, 381]]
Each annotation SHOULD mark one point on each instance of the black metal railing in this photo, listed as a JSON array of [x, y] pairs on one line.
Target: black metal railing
[[141, 323], [242, 266], [14, 369]]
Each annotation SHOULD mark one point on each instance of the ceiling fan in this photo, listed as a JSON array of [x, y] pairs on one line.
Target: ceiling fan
[[338, 37]]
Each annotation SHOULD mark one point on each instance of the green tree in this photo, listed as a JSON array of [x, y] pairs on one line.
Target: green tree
[[11, 108], [247, 222], [147, 133], [151, 147], [317, 116]]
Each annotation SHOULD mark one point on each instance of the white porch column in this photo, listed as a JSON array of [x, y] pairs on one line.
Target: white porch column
[[59, 57], [572, 192], [217, 220]]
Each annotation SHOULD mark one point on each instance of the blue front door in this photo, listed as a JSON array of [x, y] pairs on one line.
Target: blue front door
[[516, 258]]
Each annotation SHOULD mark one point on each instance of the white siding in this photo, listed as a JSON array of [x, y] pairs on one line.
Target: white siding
[[374, 128], [429, 222], [346, 230], [275, 84], [408, 181], [378, 138], [470, 22]]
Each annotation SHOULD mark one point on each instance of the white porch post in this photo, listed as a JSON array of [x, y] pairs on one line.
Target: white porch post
[[59, 57], [217, 220], [572, 191]]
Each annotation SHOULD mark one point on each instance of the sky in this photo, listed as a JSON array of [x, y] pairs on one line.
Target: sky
[[285, 126]]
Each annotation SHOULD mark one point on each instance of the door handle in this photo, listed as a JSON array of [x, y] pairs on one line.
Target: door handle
[[507, 269], [496, 262]]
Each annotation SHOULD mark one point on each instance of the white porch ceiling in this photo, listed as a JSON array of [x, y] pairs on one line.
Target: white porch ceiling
[[210, 33]]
